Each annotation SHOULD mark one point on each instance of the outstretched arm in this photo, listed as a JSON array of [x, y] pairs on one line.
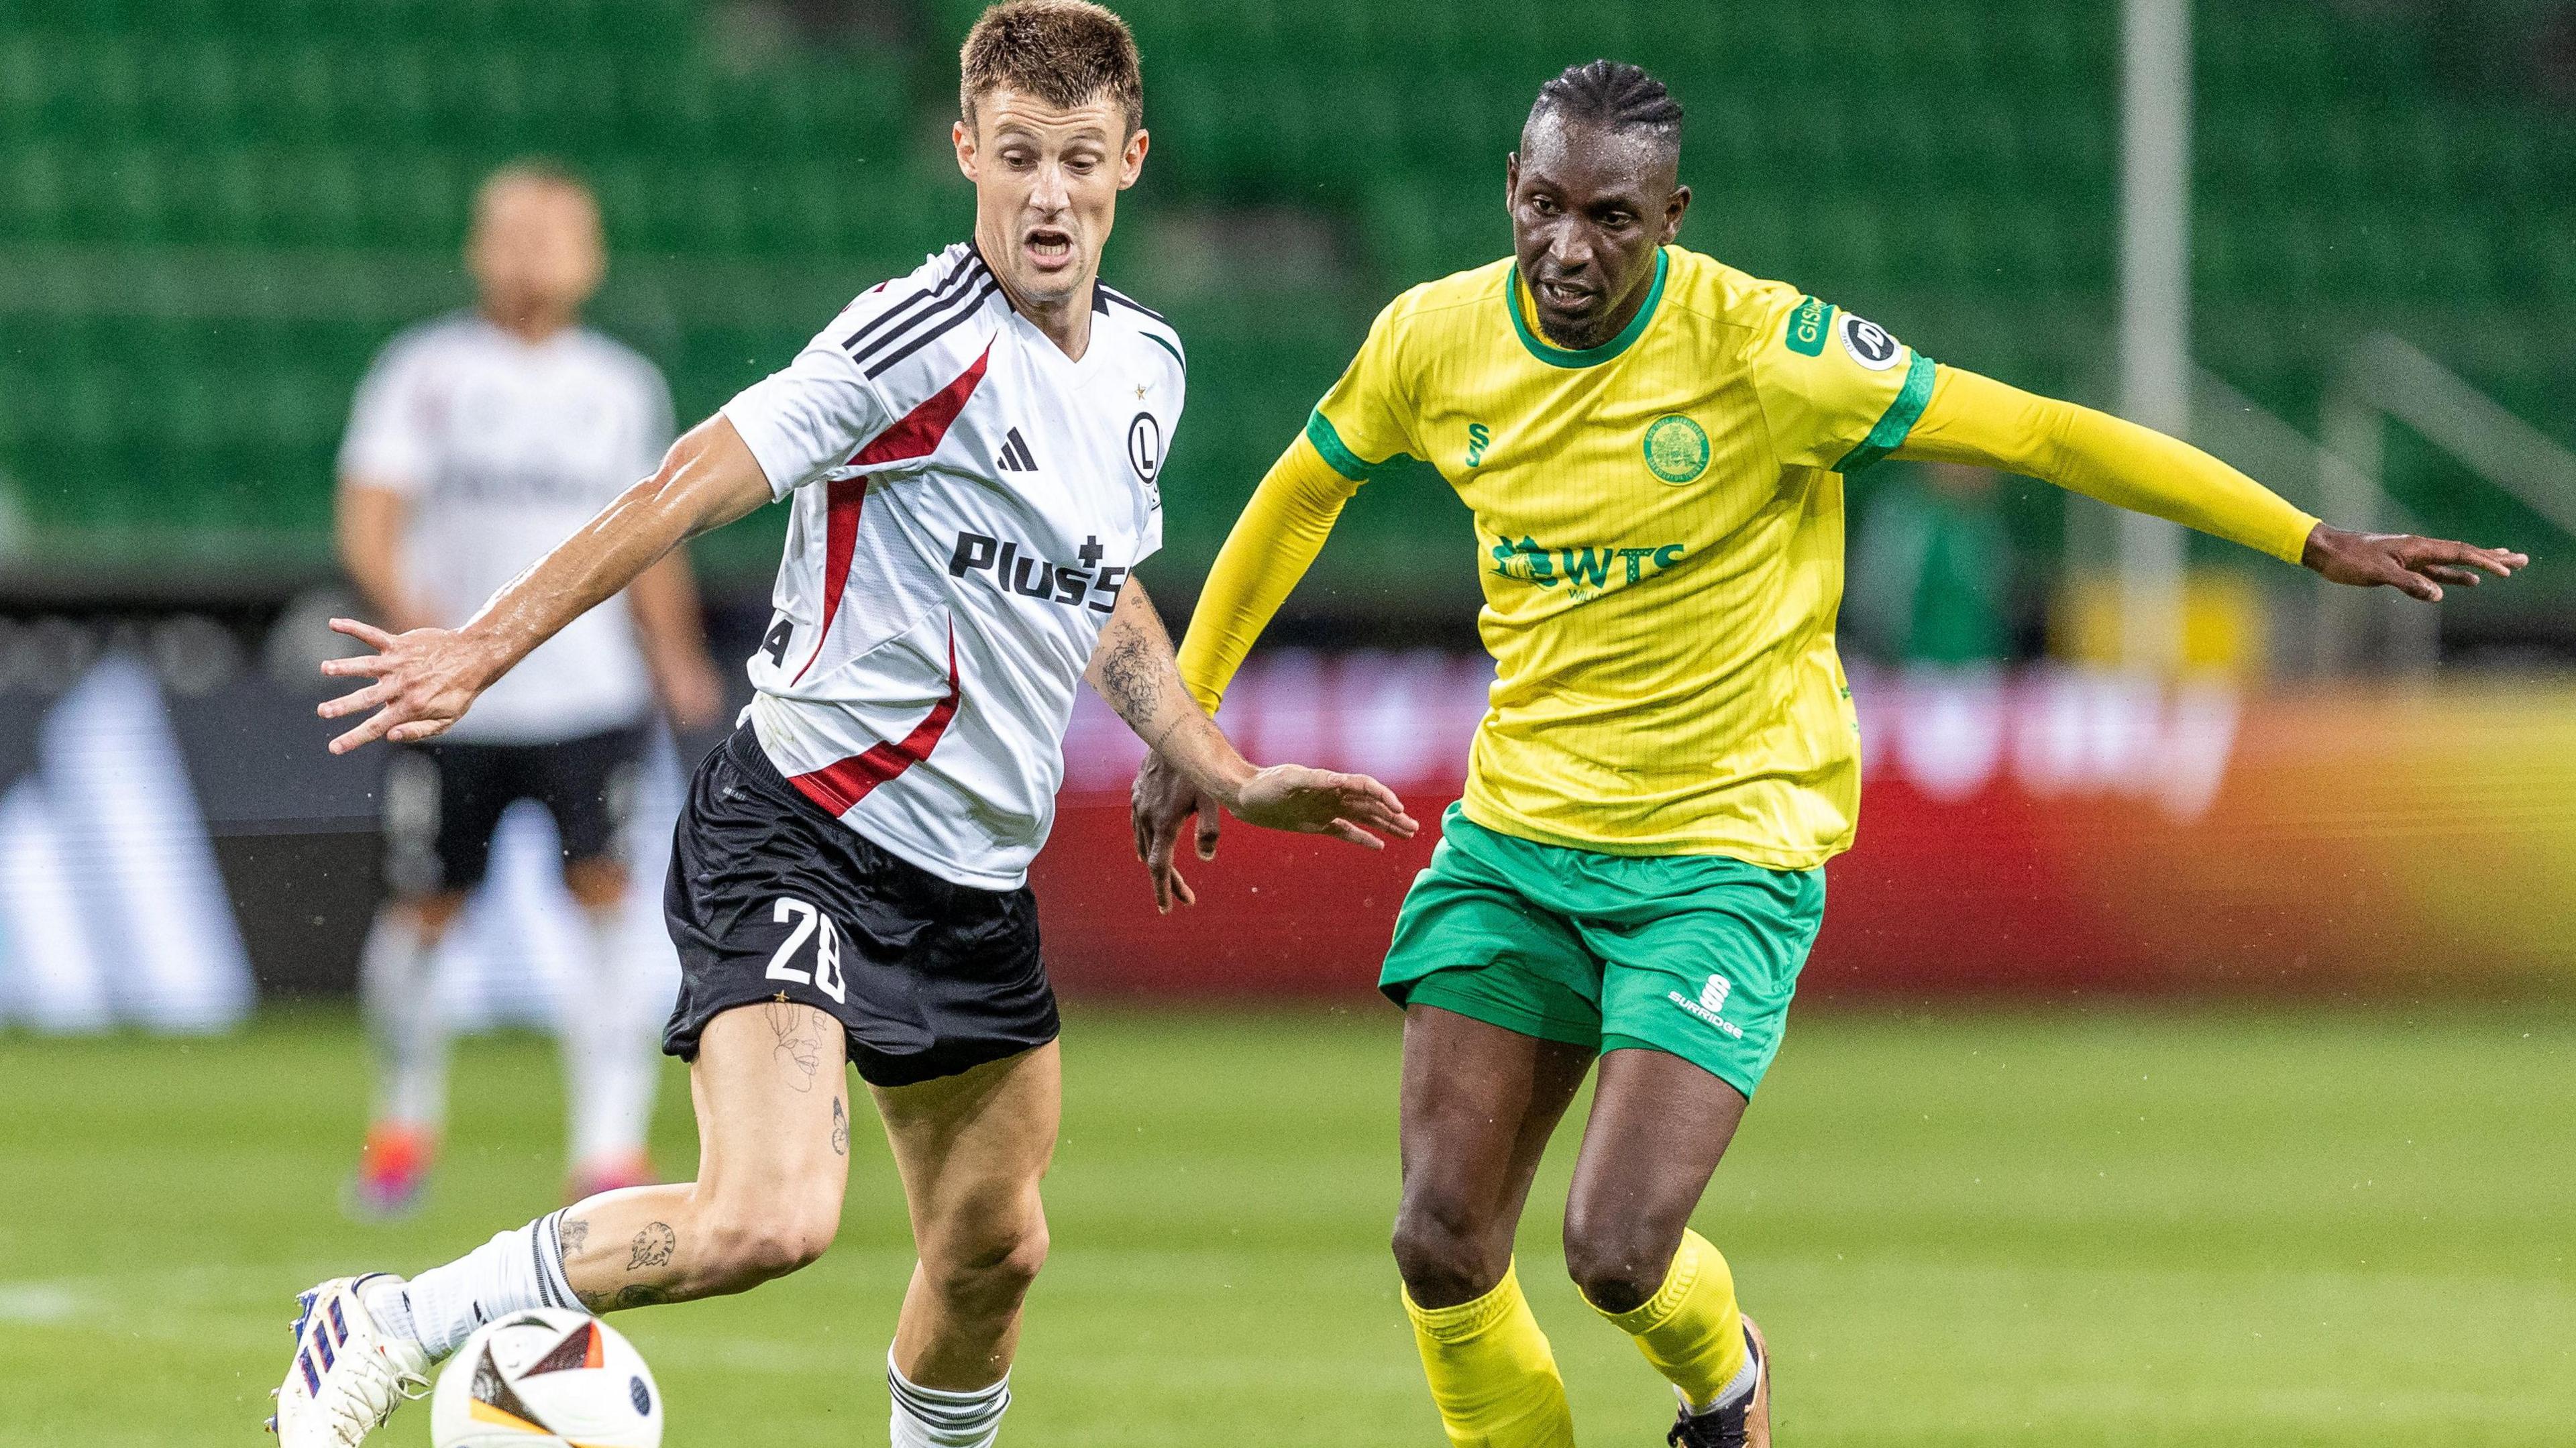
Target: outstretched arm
[[1133, 670], [1269, 550], [1977, 420], [427, 678]]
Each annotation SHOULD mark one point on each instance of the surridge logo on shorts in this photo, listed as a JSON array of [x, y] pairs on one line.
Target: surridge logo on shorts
[[1676, 449], [1712, 999]]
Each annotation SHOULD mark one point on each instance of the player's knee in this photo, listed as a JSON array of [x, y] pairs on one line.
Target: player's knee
[[1443, 1256], [993, 1271], [1619, 1264], [752, 1246]]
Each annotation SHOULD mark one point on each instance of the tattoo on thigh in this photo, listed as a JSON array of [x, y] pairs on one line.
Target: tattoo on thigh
[[798, 1046], [640, 1295], [652, 1247], [840, 1129], [570, 1235]]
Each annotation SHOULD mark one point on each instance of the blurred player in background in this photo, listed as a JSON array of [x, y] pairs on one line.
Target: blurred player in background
[[1653, 445], [476, 442], [972, 452], [1932, 572]]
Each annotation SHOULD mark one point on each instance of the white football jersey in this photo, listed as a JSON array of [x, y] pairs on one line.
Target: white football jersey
[[506, 448], [968, 501]]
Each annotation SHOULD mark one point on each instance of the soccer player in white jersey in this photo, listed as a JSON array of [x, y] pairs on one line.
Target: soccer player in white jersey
[[972, 454], [475, 442], [472, 447]]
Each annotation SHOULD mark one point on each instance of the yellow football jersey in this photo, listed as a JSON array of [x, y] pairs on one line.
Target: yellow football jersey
[[1660, 530]]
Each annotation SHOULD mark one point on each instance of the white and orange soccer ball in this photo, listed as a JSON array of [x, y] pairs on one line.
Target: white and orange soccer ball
[[546, 1378]]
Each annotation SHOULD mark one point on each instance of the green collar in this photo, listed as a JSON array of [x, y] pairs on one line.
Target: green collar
[[1555, 356]]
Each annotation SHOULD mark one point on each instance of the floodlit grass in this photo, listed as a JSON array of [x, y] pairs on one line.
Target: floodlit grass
[[1988, 1228]]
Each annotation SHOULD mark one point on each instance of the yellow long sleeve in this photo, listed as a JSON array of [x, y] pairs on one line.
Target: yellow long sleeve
[[1977, 420], [1269, 549]]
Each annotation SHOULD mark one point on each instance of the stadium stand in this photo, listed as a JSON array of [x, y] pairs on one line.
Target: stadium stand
[[213, 211]]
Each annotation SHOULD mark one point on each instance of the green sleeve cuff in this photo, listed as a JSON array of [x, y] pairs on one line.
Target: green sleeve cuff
[[1319, 431], [1896, 422]]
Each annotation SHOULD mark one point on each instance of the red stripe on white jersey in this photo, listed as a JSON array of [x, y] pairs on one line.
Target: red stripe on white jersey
[[841, 784], [917, 435], [840, 541]]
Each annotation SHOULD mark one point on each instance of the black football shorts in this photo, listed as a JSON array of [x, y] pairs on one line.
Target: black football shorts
[[443, 800], [772, 899]]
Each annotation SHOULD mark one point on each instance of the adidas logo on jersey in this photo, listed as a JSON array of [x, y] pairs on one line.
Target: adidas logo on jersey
[[1030, 576], [1016, 456]]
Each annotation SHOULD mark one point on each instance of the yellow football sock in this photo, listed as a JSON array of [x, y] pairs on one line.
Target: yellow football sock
[[1691, 1329], [1492, 1373]]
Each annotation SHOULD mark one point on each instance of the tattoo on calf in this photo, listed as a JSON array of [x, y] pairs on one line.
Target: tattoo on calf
[[652, 1247], [570, 1235], [799, 1046], [840, 1129], [640, 1295]]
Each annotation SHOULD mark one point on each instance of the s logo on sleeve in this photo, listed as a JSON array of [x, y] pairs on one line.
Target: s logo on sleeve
[[1868, 344]]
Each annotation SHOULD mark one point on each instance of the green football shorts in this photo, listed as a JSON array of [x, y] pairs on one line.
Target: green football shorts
[[1692, 955]]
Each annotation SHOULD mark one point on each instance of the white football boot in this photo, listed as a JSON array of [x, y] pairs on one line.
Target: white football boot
[[348, 1375]]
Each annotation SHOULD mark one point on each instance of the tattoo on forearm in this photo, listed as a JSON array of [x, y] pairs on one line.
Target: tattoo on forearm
[[652, 1247], [840, 1129], [570, 1235], [800, 1046], [1131, 679]]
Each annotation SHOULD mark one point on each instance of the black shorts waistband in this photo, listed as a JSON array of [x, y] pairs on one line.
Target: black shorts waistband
[[743, 747]]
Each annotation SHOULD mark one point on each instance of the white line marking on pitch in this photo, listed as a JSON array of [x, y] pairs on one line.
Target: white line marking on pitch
[[37, 1302]]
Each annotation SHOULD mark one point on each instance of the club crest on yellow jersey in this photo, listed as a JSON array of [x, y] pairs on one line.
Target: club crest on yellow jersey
[[1676, 449]]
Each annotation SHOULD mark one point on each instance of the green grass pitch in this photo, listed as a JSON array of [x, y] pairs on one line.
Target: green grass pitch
[[1964, 1227]]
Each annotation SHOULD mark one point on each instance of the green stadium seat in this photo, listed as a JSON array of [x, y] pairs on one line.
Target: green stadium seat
[[1952, 170]]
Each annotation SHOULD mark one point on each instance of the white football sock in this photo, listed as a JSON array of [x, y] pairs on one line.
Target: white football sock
[[397, 987], [512, 1272], [610, 1060], [937, 1418], [1737, 1389]]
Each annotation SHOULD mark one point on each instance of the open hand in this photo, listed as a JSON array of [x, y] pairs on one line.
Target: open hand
[[1283, 797], [2416, 566], [424, 681], [1320, 802]]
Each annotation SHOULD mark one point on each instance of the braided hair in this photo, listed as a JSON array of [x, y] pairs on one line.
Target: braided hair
[[1615, 95]]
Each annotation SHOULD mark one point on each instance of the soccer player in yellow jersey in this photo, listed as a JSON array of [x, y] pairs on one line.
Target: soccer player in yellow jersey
[[1654, 446]]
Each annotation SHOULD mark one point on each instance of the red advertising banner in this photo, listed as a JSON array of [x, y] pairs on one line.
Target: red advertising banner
[[2038, 831]]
